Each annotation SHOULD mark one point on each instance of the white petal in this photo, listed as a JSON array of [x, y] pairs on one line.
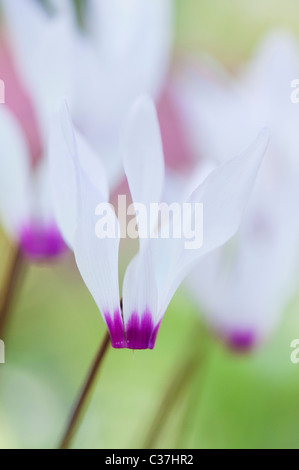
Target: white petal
[[65, 144], [143, 155], [140, 302], [14, 173], [97, 259], [78, 194], [224, 195]]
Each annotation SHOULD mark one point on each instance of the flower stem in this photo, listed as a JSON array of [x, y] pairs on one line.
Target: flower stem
[[10, 285], [84, 394], [175, 388]]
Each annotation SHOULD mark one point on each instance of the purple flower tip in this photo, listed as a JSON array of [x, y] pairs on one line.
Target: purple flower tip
[[140, 333], [241, 341], [41, 243]]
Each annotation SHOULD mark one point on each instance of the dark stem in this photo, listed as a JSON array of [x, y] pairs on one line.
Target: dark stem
[[175, 388], [10, 284], [84, 394]]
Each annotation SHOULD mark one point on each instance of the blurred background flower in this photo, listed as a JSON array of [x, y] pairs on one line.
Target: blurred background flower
[[244, 288], [226, 400]]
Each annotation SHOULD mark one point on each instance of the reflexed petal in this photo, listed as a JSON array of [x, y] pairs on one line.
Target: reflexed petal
[[224, 195], [14, 174], [96, 255], [143, 154], [97, 259], [65, 144]]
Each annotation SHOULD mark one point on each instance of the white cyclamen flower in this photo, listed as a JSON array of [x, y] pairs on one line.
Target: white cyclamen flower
[[155, 273]]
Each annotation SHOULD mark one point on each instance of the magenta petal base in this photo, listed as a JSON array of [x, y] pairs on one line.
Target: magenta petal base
[[41, 243], [241, 341], [140, 333]]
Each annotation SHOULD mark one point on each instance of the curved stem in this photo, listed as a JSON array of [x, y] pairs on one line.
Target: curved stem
[[84, 394], [10, 285]]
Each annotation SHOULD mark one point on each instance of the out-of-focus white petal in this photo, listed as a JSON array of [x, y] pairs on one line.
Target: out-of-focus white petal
[[14, 174], [133, 40], [65, 144], [53, 77], [214, 109], [243, 288], [269, 74], [267, 81], [143, 155], [26, 22], [224, 195], [44, 47]]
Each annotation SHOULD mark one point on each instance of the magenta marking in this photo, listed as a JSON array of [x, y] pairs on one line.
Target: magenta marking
[[41, 243], [116, 329], [154, 336], [241, 341], [140, 333]]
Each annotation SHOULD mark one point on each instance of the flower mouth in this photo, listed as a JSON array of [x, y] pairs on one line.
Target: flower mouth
[[138, 333], [40, 243]]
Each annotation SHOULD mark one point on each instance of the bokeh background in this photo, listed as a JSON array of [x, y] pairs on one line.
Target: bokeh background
[[224, 400]]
